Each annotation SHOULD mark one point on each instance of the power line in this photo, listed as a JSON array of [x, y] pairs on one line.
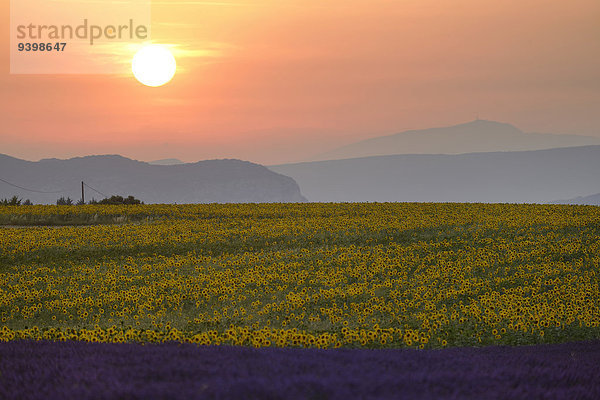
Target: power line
[[29, 190], [95, 190], [49, 192]]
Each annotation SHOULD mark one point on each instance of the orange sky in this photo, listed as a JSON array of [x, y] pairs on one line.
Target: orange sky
[[273, 81]]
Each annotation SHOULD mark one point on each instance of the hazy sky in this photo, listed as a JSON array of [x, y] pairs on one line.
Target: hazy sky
[[275, 80]]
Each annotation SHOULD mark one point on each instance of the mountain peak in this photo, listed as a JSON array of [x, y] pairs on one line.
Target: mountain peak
[[481, 126], [475, 136], [486, 123]]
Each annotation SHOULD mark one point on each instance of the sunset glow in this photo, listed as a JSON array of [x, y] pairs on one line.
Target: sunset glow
[[280, 81]]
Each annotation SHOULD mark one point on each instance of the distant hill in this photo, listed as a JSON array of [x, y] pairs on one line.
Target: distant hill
[[214, 181], [167, 161], [499, 177], [475, 136], [592, 200]]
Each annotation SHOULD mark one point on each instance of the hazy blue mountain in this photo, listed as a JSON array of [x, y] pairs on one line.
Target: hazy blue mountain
[[475, 136], [498, 177], [214, 181], [167, 161], [592, 200]]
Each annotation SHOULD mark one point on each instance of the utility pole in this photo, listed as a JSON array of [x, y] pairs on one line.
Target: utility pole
[[82, 193]]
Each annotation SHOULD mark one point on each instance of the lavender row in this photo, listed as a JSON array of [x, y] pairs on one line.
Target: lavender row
[[75, 370]]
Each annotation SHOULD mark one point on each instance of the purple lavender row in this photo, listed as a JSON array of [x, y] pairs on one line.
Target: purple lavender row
[[76, 370]]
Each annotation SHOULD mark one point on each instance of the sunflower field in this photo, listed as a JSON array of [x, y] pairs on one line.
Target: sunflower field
[[302, 275]]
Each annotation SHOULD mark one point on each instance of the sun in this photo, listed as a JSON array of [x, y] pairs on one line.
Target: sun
[[154, 65]]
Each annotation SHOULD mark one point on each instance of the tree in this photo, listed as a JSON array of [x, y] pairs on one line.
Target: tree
[[13, 201], [27, 203], [116, 200], [64, 202], [130, 200]]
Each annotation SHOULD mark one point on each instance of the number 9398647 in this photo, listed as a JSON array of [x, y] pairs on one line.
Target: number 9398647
[[41, 46]]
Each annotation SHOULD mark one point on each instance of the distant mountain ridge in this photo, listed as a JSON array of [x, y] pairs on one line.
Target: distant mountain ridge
[[592, 200], [539, 176], [472, 137], [212, 181]]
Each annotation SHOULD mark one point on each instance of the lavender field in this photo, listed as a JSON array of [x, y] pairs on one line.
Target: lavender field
[[75, 370]]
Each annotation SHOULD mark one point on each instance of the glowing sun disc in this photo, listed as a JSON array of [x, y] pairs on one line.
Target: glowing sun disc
[[154, 65]]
